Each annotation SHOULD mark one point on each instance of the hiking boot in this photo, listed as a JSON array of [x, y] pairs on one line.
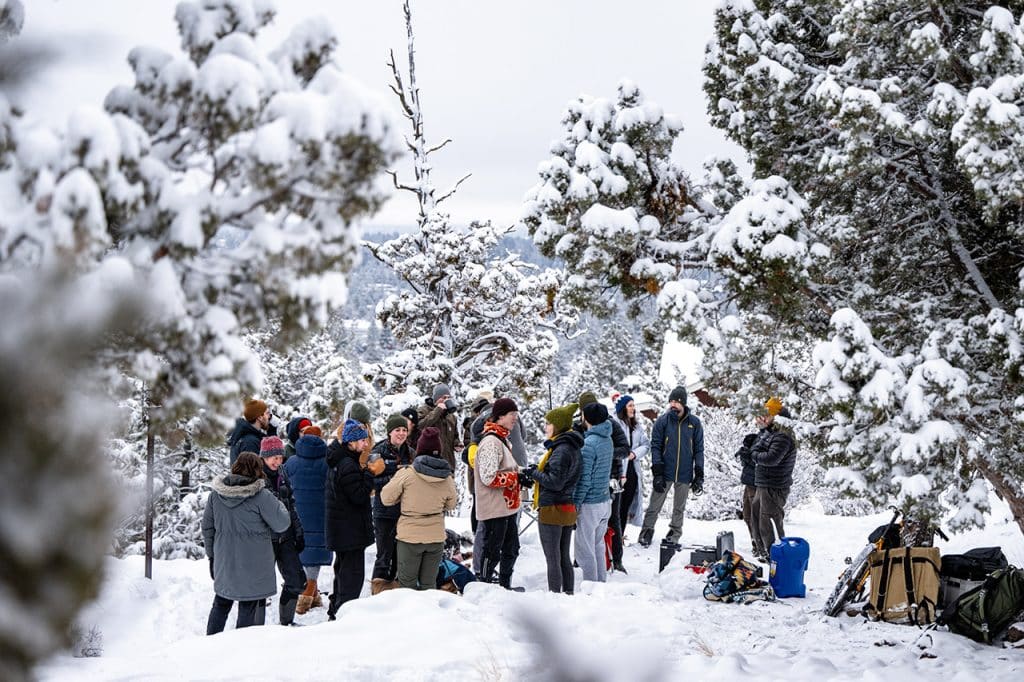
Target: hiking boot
[[506, 582], [617, 566], [305, 602], [646, 536], [378, 585]]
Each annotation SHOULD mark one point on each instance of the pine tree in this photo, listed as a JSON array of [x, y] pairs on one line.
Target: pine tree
[[469, 316], [896, 130]]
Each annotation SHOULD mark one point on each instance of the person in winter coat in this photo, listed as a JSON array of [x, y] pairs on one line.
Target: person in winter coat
[[251, 428], [288, 544], [620, 452], [425, 491], [240, 516], [631, 507], [496, 477], [293, 431], [347, 513], [556, 476], [774, 453], [677, 457], [307, 471], [387, 458], [591, 494], [746, 457], [439, 412]]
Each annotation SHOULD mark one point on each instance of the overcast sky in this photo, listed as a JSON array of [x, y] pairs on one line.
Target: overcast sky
[[494, 76]]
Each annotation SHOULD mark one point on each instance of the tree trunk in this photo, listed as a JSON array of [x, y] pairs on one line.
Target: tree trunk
[[150, 442], [1006, 490]]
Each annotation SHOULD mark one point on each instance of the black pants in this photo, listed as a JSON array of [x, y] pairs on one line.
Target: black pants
[[290, 566], [349, 573], [249, 613], [501, 547], [386, 565], [629, 492], [615, 523], [555, 541]]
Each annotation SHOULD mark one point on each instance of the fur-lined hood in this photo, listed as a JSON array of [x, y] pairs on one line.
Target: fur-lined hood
[[235, 489]]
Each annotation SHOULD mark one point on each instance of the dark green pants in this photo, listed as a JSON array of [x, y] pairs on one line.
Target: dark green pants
[[417, 564]]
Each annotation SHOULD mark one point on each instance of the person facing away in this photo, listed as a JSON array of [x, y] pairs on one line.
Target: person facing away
[[238, 521], [774, 453], [251, 428], [387, 458], [288, 544], [347, 513], [555, 477], [591, 495], [307, 471], [424, 491], [677, 460]]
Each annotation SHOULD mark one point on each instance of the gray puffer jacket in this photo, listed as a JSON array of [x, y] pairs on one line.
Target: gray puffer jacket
[[239, 518]]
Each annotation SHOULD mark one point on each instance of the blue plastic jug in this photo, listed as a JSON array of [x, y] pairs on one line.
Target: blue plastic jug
[[788, 562]]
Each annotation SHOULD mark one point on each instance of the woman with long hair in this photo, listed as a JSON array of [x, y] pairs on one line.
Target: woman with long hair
[[631, 506]]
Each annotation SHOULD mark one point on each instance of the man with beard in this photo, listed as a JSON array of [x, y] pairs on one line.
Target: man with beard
[[250, 429], [677, 458]]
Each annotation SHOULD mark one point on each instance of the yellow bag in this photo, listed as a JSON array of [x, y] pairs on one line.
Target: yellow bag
[[472, 455]]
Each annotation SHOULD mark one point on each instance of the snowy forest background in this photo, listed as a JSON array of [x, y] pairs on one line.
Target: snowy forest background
[[197, 240]]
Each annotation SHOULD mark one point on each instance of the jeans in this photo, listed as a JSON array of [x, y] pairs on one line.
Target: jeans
[[555, 541], [591, 525]]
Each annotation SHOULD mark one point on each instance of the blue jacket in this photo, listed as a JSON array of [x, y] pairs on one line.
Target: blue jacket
[[307, 471], [677, 446], [596, 465]]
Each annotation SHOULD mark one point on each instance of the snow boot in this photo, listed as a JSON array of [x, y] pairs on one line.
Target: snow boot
[[286, 608], [317, 601], [378, 585], [305, 602], [506, 582], [617, 566], [486, 574], [646, 536]]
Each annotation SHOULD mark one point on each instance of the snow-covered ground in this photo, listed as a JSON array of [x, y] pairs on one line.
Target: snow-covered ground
[[640, 626]]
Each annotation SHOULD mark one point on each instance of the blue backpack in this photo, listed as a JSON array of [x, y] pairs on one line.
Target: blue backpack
[[454, 572]]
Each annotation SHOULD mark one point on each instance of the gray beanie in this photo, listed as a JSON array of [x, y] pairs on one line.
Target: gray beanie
[[440, 390]]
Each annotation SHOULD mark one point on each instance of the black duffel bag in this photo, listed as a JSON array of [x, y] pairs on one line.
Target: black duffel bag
[[973, 564]]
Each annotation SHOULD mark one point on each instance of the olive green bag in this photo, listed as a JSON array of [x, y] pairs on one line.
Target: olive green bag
[[985, 612]]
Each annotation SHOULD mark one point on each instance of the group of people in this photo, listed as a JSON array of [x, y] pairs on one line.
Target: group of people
[[310, 501]]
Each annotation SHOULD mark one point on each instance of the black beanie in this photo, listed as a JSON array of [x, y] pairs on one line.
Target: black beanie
[[501, 407], [595, 413], [678, 393]]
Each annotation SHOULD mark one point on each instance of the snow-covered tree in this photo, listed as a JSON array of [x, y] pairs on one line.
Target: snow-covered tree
[[897, 131], [470, 316]]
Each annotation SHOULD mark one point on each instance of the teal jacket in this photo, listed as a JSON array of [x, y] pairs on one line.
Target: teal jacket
[[677, 446], [596, 465]]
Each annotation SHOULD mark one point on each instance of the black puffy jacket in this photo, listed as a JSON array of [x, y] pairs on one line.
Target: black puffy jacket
[[347, 501], [746, 458], [393, 458], [279, 484], [774, 452], [561, 471]]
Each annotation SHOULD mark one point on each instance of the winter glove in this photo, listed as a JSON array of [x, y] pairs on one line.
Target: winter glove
[[211, 569], [525, 480], [300, 542], [376, 464], [697, 486], [659, 484]]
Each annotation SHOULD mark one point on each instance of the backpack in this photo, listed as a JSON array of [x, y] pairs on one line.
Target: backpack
[[732, 573], [451, 574], [986, 611], [904, 584], [975, 564]]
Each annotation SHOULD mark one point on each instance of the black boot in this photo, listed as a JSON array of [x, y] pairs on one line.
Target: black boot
[[505, 580], [646, 536], [486, 574], [617, 566], [286, 608]]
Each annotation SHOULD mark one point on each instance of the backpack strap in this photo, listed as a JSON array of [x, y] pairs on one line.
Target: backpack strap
[[908, 583], [883, 584]]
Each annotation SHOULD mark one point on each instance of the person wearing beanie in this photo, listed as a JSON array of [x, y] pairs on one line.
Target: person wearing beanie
[[774, 454], [620, 451], [307, 471], [425, 491], [291, 542], [555, 477], [238, 521], [631, 504], [677, 460], [311, 430], [361, 413], [439, 411], [387, 458], [498, 500], [349, 524], [250, 429], [592, 495], [292, 431]]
